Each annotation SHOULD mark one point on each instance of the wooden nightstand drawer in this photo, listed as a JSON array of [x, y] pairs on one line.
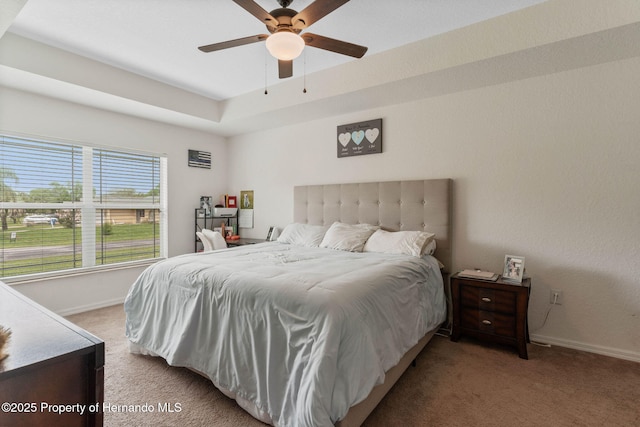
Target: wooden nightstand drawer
[[488, 299], [489, 322]]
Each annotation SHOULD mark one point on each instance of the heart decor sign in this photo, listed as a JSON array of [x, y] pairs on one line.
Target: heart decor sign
[[356, 139]]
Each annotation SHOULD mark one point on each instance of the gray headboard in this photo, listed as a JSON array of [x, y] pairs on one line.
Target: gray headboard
[[394, 205]]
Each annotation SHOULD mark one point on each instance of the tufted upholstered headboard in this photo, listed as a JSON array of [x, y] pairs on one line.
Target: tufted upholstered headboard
[[423, 205]]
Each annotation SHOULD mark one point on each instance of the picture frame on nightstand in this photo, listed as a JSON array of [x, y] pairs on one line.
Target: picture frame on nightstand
[[513, 269]]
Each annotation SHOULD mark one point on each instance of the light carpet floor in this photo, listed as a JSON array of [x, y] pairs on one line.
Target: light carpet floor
[[454, 384]]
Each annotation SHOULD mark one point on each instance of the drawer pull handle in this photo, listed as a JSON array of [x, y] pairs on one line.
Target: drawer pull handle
[[486, 322], [485, 299]]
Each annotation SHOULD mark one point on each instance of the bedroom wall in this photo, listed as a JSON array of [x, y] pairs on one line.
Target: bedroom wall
[[545, 168], [35, 115]]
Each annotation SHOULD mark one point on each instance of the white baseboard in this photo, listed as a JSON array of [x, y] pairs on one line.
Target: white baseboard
[[89, 307], [590, 348]]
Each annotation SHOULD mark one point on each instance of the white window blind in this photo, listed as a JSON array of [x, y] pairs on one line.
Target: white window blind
[[67, 206]]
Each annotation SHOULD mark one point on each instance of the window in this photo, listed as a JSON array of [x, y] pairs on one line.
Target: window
[[66, 206]]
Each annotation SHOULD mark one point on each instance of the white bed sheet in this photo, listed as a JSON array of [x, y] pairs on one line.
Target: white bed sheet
[[297, 335]]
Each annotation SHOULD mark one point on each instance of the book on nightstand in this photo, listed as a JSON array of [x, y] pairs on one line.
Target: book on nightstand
[[479, 274]]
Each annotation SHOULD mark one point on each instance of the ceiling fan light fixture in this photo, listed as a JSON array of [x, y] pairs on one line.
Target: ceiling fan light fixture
[[285, 45]]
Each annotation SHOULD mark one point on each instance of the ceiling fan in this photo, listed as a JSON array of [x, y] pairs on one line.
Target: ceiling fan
[[285, 25]]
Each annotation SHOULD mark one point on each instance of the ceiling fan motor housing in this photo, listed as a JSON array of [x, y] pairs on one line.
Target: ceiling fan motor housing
[[283, 16]]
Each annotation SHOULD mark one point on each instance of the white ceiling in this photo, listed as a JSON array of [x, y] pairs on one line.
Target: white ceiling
[[159, 38]]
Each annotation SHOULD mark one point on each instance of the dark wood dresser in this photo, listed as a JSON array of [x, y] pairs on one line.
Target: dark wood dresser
[[491, 311], [54, 374]]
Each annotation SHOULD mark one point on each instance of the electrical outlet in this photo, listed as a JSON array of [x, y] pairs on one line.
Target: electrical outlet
[[556, 297]]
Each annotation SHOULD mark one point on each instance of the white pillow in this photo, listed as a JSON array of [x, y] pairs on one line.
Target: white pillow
[[347, 237], [302, 234], [400, 242], [430, 247], [216, 238]]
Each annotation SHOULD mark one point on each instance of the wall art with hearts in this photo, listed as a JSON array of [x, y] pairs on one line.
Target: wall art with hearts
[[361, 138]]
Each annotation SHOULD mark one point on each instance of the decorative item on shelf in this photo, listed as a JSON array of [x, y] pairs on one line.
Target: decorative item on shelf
[[206, 202], [230, 232], [5, 335], [232, 202], [513, 269]]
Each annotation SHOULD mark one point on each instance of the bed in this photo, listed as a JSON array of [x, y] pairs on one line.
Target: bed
[[301, 334]]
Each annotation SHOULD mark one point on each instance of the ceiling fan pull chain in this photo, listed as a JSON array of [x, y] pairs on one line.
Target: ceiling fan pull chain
[[304, 71], [265, 73]]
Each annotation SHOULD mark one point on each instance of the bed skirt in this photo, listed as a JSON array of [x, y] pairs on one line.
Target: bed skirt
[[357, 413]]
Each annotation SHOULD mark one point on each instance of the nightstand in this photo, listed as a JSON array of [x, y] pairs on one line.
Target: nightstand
[[491, 311]]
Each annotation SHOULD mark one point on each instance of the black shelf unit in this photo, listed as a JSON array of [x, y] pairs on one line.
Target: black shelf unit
[[204, 219]]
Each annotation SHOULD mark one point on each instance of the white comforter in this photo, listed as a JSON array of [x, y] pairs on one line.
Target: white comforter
[[297, 334]]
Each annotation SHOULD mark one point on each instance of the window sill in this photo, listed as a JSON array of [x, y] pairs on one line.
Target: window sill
[[39, 277]]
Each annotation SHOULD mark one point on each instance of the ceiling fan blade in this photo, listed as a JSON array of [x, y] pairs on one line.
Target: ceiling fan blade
[[314, 12], [337, 46], [256, 10], [285, 69], [233, 43]]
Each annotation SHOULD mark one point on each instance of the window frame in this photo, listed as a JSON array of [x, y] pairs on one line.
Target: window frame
[[90, 208]]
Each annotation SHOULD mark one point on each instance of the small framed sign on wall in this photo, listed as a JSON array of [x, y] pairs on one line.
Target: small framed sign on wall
[[357, 139], [200, 159]]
